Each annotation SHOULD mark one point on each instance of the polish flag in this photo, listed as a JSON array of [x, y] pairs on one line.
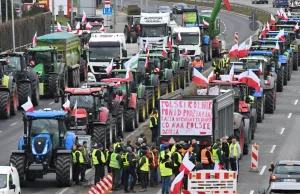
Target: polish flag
[[251, 79], [284, 16], [102, 29], [88, 26], [231, 72], [58, 27], [179, 36], [156, 70], [211, 76], [177, 183], [250, 43], [296, 27], [260, 69], [77, 27], [28, 106], [128, 76], [268, 27], [227, 4], [205, 23], [185, 52], [69, 29], [66, 105], [272, 22], [279, 15], [146, 46], [186, 165], [34, 40], [217, 166], [276, 47], [118, 84], [169, 44], [74, 112], [289, 14], [147, 63], [199, 79], [242, 50], [234, 51], [109, 68], [164, 51], [263, 32], [280, 35], [84, 18]]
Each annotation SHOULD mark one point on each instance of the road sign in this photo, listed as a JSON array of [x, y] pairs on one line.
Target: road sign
[[107, 2], [253, 26], [253, 16], [107, 11]]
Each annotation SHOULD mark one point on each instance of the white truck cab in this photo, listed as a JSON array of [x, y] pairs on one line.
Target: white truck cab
[[102, 48], [190, 40], [9, 180]]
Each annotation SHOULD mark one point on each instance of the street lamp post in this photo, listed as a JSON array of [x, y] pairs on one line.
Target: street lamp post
[[13, 26]]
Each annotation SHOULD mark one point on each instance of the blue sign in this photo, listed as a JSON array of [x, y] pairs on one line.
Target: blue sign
[[107, 11]]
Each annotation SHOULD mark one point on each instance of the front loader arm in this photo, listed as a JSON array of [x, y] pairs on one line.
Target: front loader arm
[[213, 18]]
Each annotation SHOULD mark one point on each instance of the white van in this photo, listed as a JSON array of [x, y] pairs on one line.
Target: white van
[[9, 180]]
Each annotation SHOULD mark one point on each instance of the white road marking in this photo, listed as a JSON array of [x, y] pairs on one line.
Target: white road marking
[[13, 124], [290, 115], [282, 130], [296, 102], [51, 103], [263, 170], [62, 190], [252, 192], [273, 148], [159, 192], [0, 131]]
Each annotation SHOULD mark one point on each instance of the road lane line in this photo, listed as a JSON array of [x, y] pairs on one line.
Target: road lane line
[[51, 103], [62, 190], [13, 124], [296, 102], [263, 170], [273, 148], [282, 130], [252, 192], [290, 115]]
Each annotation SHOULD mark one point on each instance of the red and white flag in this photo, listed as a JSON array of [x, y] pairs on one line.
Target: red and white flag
[[77, 27], [66, 105], [211, 76], [146, 46], [284, 16], [243, 52], [272, 22], [296, 27], [69, 29], [169, 44], [279, 15], [156, 70], [84, 18], [74, 112], [268, 27], [58, 27], [179, 36], [289, 14], [205, 23], [186, 165], [28, 106], [88, 26], [128, 76], [109, 68], [251, 79], [186, 52], [164, 51], [217, 166], [118, 84], [102, 29], [34, 40], [234, 51], [260, 69], [250, 43], [199, 79], [280, 35], [147, 63], [231, 73], [276, 47], [177, 183]]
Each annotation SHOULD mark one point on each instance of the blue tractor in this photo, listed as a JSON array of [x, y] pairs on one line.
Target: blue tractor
[[45, 147]]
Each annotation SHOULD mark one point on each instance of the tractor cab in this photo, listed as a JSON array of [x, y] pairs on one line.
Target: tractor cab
[[15, 62], [270, 44], [138, 77], [173, 56]]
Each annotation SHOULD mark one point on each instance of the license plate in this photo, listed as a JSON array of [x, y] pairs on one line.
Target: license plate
[[289, 180]]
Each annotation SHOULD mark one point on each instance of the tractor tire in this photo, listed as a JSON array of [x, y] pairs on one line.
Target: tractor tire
[[129, 118], [142, 110], [205, 51], [19, 161], [280, 78], [99, 134], [137, 114], [295, 62], [260, 109], [82, 70], [290, 72], [286, 74], [151, 99], [4, 105], [54, 85], [182, 78], [24, 91], [64, 170], [269, 102], [164, 88], [239, 134], [14, 101], [120, 125], [35, 92], [133, 37]]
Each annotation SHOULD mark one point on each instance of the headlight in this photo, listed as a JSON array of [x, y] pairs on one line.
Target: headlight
[[45, 149]]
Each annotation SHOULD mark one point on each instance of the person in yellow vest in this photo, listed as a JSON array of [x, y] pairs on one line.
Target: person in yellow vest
[[173, 149], [165, 167], [225, 63], [154, 125], [225, 149], [234, 154], [164, 150], [99, 162], [119, 143], [144, 170], [107, 158], [154, 167], [129, 169], [116, 164], [218, 153], [78, 161], [206, 158], [177, 159], [74, 149], [86, 161], [217, 67]]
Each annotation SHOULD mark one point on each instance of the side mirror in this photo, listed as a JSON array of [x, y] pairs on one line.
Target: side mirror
[[13, 186], [111, 27], [124, 53], [263, 191]]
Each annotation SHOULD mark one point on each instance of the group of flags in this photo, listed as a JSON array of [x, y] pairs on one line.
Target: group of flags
[[240, 50]]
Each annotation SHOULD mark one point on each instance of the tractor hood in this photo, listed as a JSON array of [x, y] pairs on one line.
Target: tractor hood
[[41, 144], [80, 113], [39, 68]]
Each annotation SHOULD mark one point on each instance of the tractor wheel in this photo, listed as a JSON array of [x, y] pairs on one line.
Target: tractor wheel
[[295, 62], [82, 70], [205, 51], [260, 109], [129, 118], [35, 92], [4, 105], [54, 85], [151, 100], [286, 74], [137, 114], [239, 134], [24, 91], [280, 77], [64, 170], [120, 125], [19, 161], [269, 101], [142, 110], [290, 72], [182, 78], [164, 88], [99, 134], [14, 101]]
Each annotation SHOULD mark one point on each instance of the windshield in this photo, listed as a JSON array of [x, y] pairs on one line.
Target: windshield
[[164, 9], [98, 54], [188, 39], [40, 57], [86, 102], [285, 191], [284, 169], [95, 28], [3, 181], [136, 20], [153, 31], [14, 63]]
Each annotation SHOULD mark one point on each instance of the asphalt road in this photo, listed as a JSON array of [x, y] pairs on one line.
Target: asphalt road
[[12, 129]]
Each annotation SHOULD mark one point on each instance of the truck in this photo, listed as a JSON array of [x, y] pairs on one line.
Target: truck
[[103, 48]]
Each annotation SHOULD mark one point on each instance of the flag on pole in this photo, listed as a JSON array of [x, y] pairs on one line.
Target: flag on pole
[[66, 105], [28, 106], [34, 41], [177, 183], [186, 165]]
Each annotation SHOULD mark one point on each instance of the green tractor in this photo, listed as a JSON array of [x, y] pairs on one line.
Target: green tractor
[[8, 93], [26, 77]]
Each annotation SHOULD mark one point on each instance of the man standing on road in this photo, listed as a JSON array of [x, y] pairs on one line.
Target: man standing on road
[[225, 149], [78, 161], [144, 170], [153, 124], [165, 167], [177, 159], [234, 155], [217, 67], [153, 168], [196, 150], [86, 161], [99, 162], [217, 153], [129, 163], [206, 158], [116, 164], [107, 158]]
